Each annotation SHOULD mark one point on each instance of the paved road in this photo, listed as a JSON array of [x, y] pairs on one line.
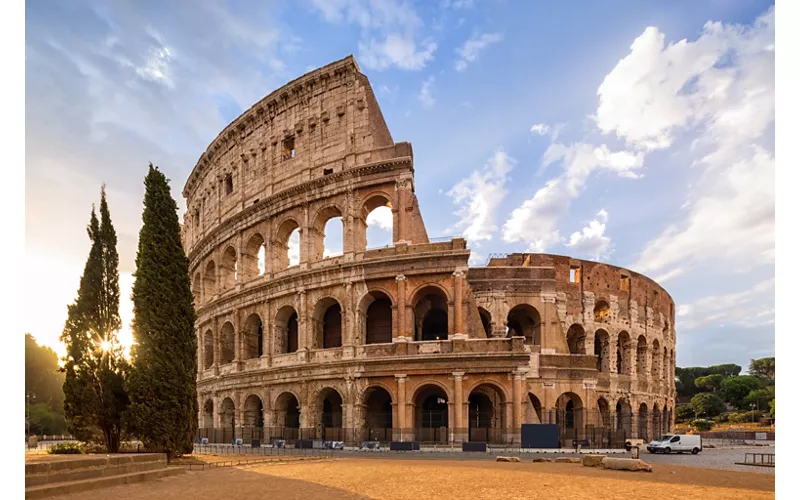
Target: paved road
[[714, 458]]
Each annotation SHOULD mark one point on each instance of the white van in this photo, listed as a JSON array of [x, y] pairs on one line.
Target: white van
[[676, 442]]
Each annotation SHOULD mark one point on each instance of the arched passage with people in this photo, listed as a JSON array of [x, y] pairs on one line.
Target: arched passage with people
[[253, 258], [624, 353], [327, 324], [329, 417], [253, 337], [576, 339], [431, 414], [601, 350], [328, 234], [377, 414], [227, 347], [378, 223], [431, 320], [228, 269], [208, 349], [375, 313], [286, 334], [287, 416], [486, 404], [524, 321]]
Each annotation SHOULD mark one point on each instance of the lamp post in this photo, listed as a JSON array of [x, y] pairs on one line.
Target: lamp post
[[752, 407]]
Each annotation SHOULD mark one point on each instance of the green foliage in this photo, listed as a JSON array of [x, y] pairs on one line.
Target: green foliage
[[709, 382], [726, 370], [734, 390], [772, 408], [67, 448], [702, 425], [686, 376], [162, 382], [760, 398], [94, 392], [44, 419], [43, 389], [707, 404], [743, 417], [763, 368], [684, 413]]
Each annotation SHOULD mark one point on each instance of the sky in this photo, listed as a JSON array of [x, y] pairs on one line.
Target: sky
[[635, 133]]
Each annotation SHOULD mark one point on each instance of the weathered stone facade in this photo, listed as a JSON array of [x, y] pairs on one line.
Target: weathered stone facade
[[407, 338]]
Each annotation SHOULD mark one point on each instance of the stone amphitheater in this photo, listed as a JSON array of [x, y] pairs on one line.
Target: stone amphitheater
[[405, 342]]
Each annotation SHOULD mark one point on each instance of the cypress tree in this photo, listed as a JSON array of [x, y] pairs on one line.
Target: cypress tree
[[162, 382], [94, 393]]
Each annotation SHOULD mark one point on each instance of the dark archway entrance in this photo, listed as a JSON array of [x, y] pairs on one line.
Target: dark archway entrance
[[432, 415], [378, 414]]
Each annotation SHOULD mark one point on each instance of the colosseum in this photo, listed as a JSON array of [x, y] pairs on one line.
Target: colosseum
[[406, 341]]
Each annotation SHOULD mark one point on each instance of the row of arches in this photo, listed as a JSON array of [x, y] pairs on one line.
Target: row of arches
[[523, 320], [660, 358], [325, 237]]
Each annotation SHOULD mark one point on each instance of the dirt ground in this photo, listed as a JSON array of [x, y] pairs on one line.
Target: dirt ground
[[415, 479]]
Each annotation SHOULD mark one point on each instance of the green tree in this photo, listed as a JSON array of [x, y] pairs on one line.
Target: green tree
[[709, 382], [760, 398], [727, 370], [684, 413], [94, 393], [707, 404], [43, 389], [772, 408], [735, 389], [162, 383], [764, 368]]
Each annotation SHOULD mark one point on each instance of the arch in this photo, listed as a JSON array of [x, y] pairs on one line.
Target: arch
[[643, 430], [431, 320], [253, 412], [253, 264], [569, 417], [227, 343], [378, 219], [641, 356], [431, 413], [623, 353], [287, 413], [210, 280], [605, 412], [655, 370], [658, 423], [208, 349], [376, 310], [576, 339], [524, 321], [327, 321], [286, 330], [601, 350], [319, 244], [227, 414], [328, 412], [602, 312], [287, 230], [197, 288], [228, 268], [253, 337], [377, 413], [486, 321], [624, 417], [208, 414], [486, 410], [533, 411]]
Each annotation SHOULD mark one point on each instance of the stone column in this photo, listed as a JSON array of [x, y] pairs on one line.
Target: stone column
[[458, 312], [458, 391], [516, 420], [400, 191], [305, 237], [401, 305], [215, 346], [302, 322], [401, 405]]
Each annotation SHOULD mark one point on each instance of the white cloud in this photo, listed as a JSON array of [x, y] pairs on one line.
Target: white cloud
[[535, 222], [476, 259], [425, 96], [591, 240], [749, 308], [479, 195], [471, 49], [395, 50], [294, 248], [540, 128], [381, 217]]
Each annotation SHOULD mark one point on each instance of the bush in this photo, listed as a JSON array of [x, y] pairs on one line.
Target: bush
[[684, 413], [721, 419], [743, 417], [67, 448], [701, 425], [707, 404]]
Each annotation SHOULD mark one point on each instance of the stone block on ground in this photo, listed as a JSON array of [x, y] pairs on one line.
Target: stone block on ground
[[631, 464], [568, 460], [542, 459], [593, 460], [508, 459]]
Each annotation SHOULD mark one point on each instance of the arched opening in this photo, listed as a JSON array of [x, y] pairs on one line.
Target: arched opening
[[378, 414], [643, 431], [430, 314], [624, 418], [576, 339], [377, 213], [287, 417], [602, 312], [486, 321], [569, 417], [667, 416], [431, 414], [253, 264], [605, 412], [524, 321], [328, 234], [327, 320], [287, 245], [228, 269], [210, 281], [329, 415], [197, 288], [624, 353], [253, 337], [533, 411], [227, 418], [656, 363], [641, 356], [285, 335], [208, 414], [377, 309], [208, 349], [601, 348], [486, 414], [227, 343], [658, 424], [253, 412]]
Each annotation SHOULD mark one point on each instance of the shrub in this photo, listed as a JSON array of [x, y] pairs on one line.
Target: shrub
[[707, 404], [701, 425], [684, 413], [744, 417], [67, 448]]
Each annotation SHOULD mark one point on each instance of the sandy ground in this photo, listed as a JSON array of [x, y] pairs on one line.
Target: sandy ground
[[414, 479]]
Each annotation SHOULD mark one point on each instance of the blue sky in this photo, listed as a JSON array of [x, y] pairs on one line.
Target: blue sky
[[637, 133]]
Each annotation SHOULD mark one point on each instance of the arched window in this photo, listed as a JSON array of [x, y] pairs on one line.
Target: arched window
[[486, 321], [227, 344], [328, 240], [253, 264], [378, 320], [602, 312], [430, 314], [286, 330], [379, 219], [208, 349], [286, 251], [327, 324], [576, 339], [524, 321], [253, 337], [624, 353], [228, 268], [601, 350], [210, 280]]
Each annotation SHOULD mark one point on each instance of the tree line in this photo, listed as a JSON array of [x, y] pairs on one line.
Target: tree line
[[107, 398], [44, 396]]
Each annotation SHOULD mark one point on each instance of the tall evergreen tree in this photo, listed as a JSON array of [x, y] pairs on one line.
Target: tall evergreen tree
[[162, 382], [94, 393]]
